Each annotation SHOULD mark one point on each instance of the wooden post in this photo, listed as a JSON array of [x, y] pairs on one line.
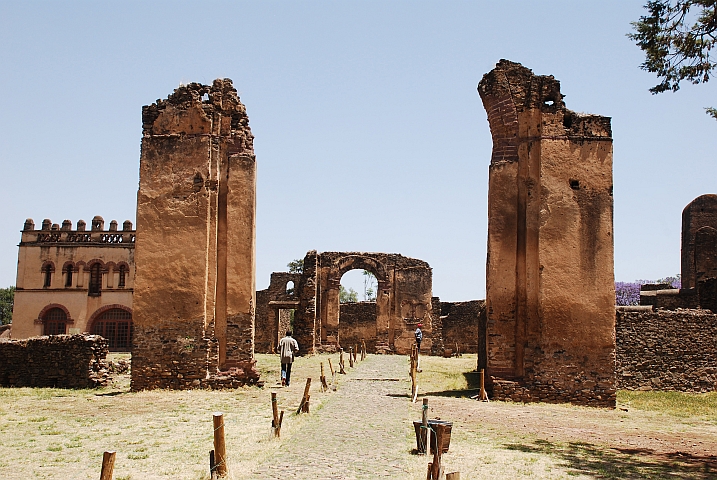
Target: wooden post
[[212, 466], [304, 405], [341, 363], [356, 350], [429, 476], [438, 451], [324, 385], [414, 369], [453, 476], [424, 427], [483, 393], [363, 350], [351, 357], [331, 368], [108, 465], [276, 421], [220, 449]]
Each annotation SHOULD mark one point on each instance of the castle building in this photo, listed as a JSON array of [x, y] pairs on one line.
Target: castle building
[[75, 281]]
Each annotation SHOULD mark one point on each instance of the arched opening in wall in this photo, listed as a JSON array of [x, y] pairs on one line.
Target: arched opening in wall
[[68, 276], [115, 325], [286, 322], [122, 276], [357, 309], [54, 322], [290, 287]]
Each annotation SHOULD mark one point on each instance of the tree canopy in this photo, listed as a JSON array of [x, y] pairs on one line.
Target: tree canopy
[[677, 38], [7, 300], [296, 266], [347, 296]]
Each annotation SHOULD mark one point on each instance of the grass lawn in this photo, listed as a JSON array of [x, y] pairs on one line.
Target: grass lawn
[[58, 433]]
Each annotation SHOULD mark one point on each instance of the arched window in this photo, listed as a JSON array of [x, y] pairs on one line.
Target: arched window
[[116, 326], [122, 274], [95, 280], [68, 276], [47, 271], [54, 322]]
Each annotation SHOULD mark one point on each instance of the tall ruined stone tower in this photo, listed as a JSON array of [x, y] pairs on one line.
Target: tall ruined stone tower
[[195, 249], [550, 294]]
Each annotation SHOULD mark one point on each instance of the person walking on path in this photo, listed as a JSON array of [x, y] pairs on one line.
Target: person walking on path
[[287, 348], [419, 336]]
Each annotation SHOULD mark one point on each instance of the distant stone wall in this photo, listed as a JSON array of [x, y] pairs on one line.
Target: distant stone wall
[[666, 350], [357, 322], [61, 361], [461, 322]]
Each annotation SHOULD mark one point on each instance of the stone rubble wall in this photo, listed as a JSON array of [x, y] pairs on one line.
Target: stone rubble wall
[[60, 361], [667, 350], [460, 322], [358, 322]]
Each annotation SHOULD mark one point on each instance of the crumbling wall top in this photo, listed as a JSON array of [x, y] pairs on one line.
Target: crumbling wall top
[[511, 89], [199, 109]]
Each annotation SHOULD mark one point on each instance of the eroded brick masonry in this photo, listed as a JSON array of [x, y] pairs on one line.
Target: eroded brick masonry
[[550, 286], [194, 285]]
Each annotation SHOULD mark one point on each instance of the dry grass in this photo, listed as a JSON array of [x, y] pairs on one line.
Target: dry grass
[[55, 433]]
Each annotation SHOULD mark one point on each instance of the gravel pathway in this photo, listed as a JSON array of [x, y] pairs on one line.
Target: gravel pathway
[[363, 430]]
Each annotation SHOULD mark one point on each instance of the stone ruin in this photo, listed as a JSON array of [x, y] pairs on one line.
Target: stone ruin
[[403, 300], [698, 262], [194, 285], [59, 361], [454, 327], [549, 286]]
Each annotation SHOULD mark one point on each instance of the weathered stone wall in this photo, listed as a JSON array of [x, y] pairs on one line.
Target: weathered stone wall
[[403, 299], [700, 212], [460, 325], [277, 300], [61, 361], [550, 285], [194, 296], [358, 322], [666, 350]]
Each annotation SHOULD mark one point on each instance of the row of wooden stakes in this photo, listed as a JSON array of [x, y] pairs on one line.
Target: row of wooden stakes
[[217, 457], [278, 417]]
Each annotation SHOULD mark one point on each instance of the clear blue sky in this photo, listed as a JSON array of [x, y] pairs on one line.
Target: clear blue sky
[[370, 134]]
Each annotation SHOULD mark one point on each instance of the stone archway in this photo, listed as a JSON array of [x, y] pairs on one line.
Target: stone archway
[[401, 281]]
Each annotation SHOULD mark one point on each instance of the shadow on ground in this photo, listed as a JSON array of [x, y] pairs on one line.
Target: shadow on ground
[[588, 459]]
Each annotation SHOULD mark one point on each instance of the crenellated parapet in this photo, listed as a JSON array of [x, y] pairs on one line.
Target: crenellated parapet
[[52, 233]]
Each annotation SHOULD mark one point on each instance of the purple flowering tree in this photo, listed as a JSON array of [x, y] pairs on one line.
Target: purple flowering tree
[[628, 293]]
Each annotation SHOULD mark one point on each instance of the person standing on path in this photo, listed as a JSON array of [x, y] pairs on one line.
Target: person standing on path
[[419, 336], [286, 348]]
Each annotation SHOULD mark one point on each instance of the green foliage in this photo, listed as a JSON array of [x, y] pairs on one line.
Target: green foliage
[[677, 40], [369, 282], [296, 266], [7, 299], [347, 296]]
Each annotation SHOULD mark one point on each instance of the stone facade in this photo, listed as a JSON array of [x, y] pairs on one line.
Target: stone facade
[[699, 224], [194, 289], [403, 300], [461, 323], [357, 322], [75, 281], [667, 350], [279, 299], [550, 286], [60, 361]]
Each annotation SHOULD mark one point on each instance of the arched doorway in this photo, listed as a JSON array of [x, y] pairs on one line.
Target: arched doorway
[[114, 324], [357, 309]]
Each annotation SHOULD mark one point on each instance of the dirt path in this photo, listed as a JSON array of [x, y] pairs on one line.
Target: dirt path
[[362, 431]]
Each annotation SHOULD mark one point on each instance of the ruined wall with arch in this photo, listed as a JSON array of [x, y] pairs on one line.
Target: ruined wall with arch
[[403, 300]]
